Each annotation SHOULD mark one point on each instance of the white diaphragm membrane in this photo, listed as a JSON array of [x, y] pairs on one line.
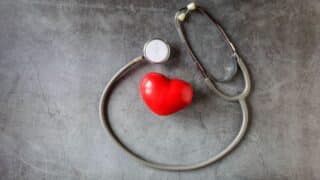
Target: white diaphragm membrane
[[156, 51]]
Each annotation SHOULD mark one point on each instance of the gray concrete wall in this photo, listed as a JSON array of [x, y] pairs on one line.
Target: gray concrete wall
[[56, 56]]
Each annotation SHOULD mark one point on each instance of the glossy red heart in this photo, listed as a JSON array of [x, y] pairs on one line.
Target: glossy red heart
[[165, 96]]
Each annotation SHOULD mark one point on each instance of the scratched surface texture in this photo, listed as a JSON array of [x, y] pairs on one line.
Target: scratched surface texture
[[57, 55]]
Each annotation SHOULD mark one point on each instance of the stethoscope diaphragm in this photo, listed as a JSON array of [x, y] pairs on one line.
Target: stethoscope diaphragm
[[156, 51]]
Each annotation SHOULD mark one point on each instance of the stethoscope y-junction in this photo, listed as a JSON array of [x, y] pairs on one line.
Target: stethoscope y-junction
[[164, 102]]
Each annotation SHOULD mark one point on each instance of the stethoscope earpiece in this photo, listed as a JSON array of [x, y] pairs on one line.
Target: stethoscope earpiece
[[183, 12]]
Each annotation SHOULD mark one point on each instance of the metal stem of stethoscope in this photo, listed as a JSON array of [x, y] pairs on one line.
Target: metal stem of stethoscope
[[103, 105]]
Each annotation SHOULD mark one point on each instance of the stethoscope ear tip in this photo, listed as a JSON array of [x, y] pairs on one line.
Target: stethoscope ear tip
[[191, 6], [182, 13], [181, 16]]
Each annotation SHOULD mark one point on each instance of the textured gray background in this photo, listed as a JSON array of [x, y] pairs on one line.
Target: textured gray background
[[57, 55]]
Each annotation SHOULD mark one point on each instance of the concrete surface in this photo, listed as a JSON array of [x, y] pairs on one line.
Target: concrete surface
[[57, 55]]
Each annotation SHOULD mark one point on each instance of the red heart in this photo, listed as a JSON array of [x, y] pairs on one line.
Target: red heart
[[165, 96]]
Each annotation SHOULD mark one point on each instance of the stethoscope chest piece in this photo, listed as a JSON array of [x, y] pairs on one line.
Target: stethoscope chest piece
[[156, 51]]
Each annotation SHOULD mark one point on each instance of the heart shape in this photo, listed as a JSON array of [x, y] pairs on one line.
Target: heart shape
[[165, 96]]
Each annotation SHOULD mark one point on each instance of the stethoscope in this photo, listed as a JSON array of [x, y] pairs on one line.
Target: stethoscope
[[162, 57]]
